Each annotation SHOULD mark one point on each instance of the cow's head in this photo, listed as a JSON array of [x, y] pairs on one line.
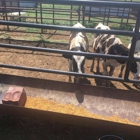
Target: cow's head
[[101, 27], [119, 49]]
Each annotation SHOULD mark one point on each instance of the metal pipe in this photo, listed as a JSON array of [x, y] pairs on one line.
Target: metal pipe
[[67, 28], [132, 49], [67, 52], [66, 73], [91, 3]]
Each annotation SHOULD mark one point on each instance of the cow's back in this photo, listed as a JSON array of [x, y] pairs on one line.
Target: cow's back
[[78, 39]]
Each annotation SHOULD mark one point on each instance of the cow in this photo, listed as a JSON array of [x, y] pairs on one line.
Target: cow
[[136, 67], [99, 42], [119, 49], [78, 41]]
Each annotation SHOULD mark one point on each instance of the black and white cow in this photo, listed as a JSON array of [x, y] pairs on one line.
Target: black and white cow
[[121, 50], [110, 44], [99, 43], [78, 41]]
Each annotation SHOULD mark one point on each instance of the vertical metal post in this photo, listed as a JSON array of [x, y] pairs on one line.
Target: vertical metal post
[[89, 14], [104, 16], [71, 11], [2, 3], [41, 15], [108, 15], [83, 20], [79, 13], [36, 12], [122, 18], [132, 49], [19, 11], [53, 13], [5, 11], [128, 17]]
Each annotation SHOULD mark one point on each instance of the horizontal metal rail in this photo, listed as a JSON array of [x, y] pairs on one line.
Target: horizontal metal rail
[[90, 3], [67, 52], [67, 73], [68, 28], [20, 47]]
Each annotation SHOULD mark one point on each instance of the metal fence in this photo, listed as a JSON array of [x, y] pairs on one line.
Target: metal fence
[[129, 58], [34, 11]]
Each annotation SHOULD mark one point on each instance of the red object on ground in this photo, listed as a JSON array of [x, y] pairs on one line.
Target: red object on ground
[[15, 96]]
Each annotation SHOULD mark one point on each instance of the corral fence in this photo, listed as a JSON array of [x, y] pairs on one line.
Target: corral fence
[[53, 13], [129, 58]]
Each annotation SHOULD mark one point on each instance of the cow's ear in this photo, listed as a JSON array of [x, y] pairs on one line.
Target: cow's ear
[[67, 56]]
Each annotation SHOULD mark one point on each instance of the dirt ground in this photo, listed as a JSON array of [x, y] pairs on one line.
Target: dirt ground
[[47, 61]]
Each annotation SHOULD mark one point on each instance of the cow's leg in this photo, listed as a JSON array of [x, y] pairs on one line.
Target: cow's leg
[[110, 74], [70, 68], [111, 71], [121, 71], [83, 70], [98, 67], [104, 64], [92, 66]]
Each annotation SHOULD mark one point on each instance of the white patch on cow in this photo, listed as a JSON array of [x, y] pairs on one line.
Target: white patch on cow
[[104, 27], [137, 48], [78, 39], [137, 74], [79, 60], [117, 41], [78, 25]]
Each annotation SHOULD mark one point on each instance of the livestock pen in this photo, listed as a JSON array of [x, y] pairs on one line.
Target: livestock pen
[[118, 109], [37, 12]]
